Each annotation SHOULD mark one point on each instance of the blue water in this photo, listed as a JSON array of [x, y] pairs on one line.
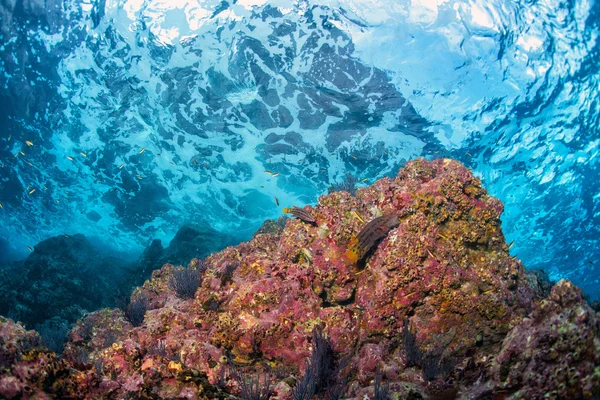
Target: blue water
[[125, 119]]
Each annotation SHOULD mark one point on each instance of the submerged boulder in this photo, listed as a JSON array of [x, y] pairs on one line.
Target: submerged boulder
[[433, 306], [63, 277]]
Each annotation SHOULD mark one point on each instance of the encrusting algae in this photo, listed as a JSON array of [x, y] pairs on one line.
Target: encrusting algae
[[439, 308]]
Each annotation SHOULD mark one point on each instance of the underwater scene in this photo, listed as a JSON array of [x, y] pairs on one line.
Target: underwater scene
[[294, 199]]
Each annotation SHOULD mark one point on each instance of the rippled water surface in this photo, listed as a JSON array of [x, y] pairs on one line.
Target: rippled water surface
[[125, 119]]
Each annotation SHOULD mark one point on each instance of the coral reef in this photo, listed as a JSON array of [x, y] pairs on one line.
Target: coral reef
[[437, 308]]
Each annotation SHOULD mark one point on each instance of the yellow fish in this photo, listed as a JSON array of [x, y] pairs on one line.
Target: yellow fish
[[31, 191], [83, 154], [357, 215], [365, 179], [142, 150], [287, 210], [30, 249], [70, 158], [268, 172], [511, 244], [28, 143]]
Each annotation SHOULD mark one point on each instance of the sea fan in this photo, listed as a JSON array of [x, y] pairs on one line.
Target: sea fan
[[185, 282], [136, 310], [348, 185]]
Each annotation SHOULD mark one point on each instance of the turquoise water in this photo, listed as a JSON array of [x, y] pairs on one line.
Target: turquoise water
[[124, 120]]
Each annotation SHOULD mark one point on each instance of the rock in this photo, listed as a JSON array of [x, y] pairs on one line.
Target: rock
[[64, 277], [555, 353], [438, 304]]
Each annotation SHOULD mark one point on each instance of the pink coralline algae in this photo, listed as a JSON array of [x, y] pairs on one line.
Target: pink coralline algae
[[436, 304]]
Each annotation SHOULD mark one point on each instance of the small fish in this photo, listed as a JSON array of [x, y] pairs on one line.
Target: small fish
[[9, 138], [364, 180], [28, 143], [30, 163], [354, 157], [67, 236], [301, 214], [30, 249], [83, 154], [70, 158], [139, 177], [22, 153], [32, 190], [262, 186], [172, 163], [511, 244], [323, 170], [357, 215], [1, 205], [58, 201], [276, 201], [300, 161], [195, 162], [332, 154], [158, 155], [276, 174], [268, 172], [45, 188], [142, 150], [121, 166], [66, 192], [469, 154]]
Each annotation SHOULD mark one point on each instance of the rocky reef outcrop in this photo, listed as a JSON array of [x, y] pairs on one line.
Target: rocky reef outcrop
[[67, 276], [405, 290]]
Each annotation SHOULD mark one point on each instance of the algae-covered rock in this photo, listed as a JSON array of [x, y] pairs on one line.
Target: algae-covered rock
[[436, 303]]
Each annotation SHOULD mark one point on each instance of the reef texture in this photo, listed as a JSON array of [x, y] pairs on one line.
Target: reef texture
[[434, 302]]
